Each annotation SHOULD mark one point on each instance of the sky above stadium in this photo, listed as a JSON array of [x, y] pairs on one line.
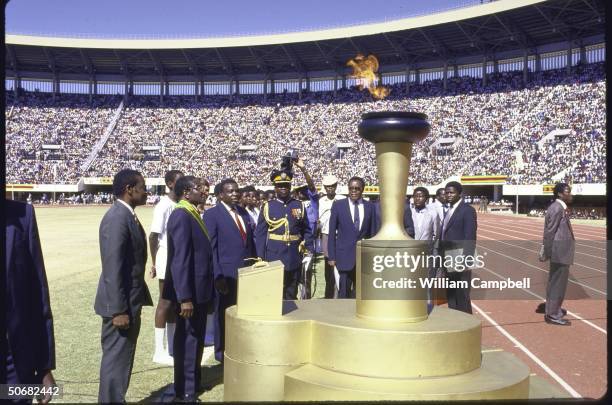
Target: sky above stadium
[[201, 18]]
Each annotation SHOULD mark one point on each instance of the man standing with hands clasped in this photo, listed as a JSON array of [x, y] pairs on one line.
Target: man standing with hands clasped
[[351, 220], [558, 246], [122, 291], [189, 284]]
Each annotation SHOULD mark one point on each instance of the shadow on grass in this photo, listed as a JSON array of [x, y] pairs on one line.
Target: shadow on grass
[[211, 377]]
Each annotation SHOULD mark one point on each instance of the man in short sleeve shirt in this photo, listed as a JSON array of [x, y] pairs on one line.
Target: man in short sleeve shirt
[[164, 316]]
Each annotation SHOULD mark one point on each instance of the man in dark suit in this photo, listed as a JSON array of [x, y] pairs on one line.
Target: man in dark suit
[[231, 239], [458, 234], [122, 291], [351, 220], [28, 347], [189, 284], [408, 222], [558, 247], [281, 227]]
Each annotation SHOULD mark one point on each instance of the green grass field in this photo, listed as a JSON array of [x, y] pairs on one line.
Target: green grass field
[[69, 237]]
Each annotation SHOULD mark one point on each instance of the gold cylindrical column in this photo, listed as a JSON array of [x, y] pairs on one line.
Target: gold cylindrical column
[[392, 294], [393, 162]]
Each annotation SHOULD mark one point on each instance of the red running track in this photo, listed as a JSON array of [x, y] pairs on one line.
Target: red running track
[[574, 357]]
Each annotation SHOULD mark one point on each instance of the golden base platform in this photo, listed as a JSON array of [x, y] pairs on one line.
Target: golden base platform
[[381, 346], [320, 350]]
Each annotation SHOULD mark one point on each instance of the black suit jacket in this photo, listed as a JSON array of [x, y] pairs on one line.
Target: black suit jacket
[[29, 319], [123, 250], [408, 221], [461, 229]]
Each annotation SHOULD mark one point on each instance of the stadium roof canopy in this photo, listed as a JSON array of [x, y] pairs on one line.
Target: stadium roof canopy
[[467, 35]]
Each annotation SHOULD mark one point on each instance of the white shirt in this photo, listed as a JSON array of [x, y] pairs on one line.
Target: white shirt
[[564, 205], [254, 214], [425, 223], [127, 205], [360, 208], [452, 209], [161, 214], [325, 205], [450, 212], [438, 208], [229, 209]]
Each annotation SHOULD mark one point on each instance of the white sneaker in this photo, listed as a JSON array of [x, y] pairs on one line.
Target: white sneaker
[[209, 351], [163, 358]]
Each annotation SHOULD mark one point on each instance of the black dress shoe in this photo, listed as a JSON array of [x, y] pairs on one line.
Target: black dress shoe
[[541, 309], [553, 321]]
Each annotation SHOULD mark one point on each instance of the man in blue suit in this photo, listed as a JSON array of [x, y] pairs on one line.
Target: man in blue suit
[[351, 220], [28, 346], [458, 235], [189, 284], [281, 227], [231, 239]]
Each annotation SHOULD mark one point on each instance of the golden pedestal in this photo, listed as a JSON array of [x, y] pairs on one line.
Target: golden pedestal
[[320, 350], [381, 346]]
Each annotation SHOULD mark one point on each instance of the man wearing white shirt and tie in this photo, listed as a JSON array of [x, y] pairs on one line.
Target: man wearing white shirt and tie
[[351, 220], [458, 237], [439, 206], [330, 183]]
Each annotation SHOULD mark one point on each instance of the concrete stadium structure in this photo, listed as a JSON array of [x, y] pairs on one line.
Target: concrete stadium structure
[[531, 35]]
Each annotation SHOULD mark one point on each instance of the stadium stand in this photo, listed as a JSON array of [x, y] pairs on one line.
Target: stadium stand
[[488, 124]]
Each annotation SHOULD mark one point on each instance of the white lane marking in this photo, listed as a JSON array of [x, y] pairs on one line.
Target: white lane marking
[[545, 271], [514, 237], [539, 228], [575, 315], [536, 251], [533, 357]]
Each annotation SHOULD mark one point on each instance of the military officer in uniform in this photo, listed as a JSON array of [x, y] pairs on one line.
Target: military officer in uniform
[[281, 227]]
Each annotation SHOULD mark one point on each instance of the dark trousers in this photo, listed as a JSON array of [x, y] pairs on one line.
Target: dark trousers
[[118, 350], [555, 289], [222, 302], [346, 289], [459, 298], [188, 349], [330, 280], [12, 377], [290, 283]]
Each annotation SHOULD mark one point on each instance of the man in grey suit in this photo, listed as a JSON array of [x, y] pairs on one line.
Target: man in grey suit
[[122, 291], [558, 247]]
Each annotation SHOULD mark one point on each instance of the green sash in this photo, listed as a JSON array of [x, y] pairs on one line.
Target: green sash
[[187, 206]]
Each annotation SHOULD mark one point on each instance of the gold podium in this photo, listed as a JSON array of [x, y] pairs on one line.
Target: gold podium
[[381, 346]]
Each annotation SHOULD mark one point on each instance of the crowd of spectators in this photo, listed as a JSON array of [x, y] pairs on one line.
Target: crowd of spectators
[[575, 213], [496, 129], [68, 121]]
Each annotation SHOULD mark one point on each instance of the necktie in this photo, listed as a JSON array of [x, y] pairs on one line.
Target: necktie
[[356, 216], [240, 228], [446, 218]]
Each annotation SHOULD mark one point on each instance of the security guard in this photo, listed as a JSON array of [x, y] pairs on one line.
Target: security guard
[[281, 227]]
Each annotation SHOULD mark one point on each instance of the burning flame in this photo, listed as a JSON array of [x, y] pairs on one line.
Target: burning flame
[[364, 71]]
